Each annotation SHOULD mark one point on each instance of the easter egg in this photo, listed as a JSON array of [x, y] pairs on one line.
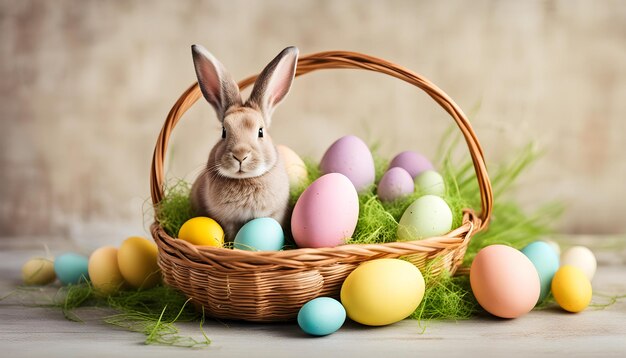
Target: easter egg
[[104, 271], [71, 268], [351, 157], [412, 162], [382, 292], [326, 213], [430, 182], [321, 316], [581, 257], [571, 288], [395, 183], [261, 234], [296, 169], [554, 245], [38, 271], [202, 231], [504, 281], [137, 259], [546, 263], [427, 216]]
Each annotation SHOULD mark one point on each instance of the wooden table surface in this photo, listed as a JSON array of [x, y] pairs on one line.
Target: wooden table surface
[[44, 332]]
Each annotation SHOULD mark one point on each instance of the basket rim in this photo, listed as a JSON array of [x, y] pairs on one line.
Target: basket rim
[[339, 60]]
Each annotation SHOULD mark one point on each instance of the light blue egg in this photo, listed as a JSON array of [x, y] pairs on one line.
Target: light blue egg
[[321, 316], [71, 268], [262, 234], [546, 262]]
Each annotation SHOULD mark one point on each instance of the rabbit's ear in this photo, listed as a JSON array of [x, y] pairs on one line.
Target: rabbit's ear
[[217, 86], [274, 82]]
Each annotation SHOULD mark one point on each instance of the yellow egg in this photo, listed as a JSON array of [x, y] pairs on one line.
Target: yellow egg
[[38, 271], [202, 231], [104, 271], [296, 169], [382, 292], [137, 259], [571, 288]]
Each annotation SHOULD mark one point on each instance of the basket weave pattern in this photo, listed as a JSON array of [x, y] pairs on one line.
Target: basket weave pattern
[[272, 286]]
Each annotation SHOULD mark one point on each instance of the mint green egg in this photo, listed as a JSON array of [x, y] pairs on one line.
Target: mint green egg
[[427, 216], [431, 182]]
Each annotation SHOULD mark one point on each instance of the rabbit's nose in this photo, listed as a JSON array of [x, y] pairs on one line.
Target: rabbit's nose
[[242, 156]]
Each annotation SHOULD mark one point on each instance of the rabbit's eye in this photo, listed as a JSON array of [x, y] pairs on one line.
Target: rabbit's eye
[[260, 132], [223, 132]]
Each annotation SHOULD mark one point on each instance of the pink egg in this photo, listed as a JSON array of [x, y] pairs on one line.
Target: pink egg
[[326, 213], [504, 281], [351, 157], [395, 184], [412, 162]]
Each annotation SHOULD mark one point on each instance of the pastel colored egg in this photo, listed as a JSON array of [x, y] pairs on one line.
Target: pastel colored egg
[[351, 157], [326, 213], [546, 263], [202, 231], [581, 257], [296, 169], [382, 292], [137, 259], [261, 234], [427, 216], [504, 281], [395, 183], [413, 162], [321, 316], [571, 289], [554, 245], [38, 271], [430, 182], [71, 268], [104, 271]]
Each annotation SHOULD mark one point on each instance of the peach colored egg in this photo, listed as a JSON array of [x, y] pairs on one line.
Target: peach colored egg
[[296, 169], [326, 213], [504, 281]]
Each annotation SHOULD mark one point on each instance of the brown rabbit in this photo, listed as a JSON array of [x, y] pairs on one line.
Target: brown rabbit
[[244, 177]]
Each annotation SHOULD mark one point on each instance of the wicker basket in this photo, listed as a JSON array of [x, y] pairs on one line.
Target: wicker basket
[[272, 286]]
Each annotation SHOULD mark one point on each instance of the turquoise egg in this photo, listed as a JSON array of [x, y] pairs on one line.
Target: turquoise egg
[[71, 268], [546, 262], [321, 316], [262, 234]]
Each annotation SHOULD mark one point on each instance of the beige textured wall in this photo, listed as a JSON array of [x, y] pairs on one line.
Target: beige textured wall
[[85, 86]]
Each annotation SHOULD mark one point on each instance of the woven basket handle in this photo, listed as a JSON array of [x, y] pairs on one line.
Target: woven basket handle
[[334, 60]]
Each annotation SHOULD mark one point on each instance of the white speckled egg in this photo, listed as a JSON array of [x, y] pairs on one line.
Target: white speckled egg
[[581, 257], [395, 184], [326, 213], [430, 182], [427, 216], [351, 157]]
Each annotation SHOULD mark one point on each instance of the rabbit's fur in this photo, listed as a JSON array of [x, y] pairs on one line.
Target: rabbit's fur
[[244, 177]]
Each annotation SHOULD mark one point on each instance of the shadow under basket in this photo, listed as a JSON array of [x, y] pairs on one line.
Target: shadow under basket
[[273, 286]]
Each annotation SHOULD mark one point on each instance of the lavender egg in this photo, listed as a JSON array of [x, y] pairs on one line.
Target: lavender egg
[[351, 157], [395, 184], [412, 162]]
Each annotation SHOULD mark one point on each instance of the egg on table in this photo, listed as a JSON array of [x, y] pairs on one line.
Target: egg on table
[[395, 184], [427, 216], [546, 263], [382, 292], [202, 231], [296, 169], [413, 162], [351, 157], [137, 260], [71, 268], [321, 316], [571, 289], [261, 234], [38, 271], [581, 257], [430, 182], [104, 271], [504, 281], [326, 213]]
